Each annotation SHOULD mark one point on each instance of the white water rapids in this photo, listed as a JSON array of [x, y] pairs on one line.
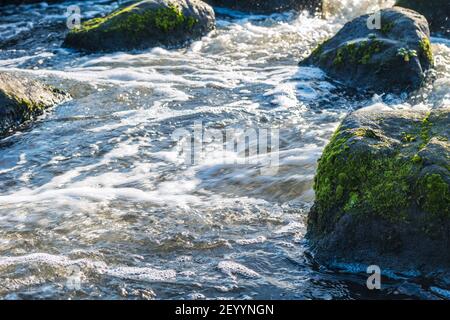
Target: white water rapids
[[98, 184]]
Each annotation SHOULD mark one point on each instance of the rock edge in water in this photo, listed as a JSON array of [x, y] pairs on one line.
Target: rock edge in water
[[437, 13], [22, 99], [143, 25], [394, 58], [382, 191]]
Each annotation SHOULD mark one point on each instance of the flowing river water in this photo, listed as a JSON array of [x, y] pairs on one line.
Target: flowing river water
[[97, 194]]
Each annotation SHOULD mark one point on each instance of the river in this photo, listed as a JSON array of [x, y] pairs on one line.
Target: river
[[97, 192]]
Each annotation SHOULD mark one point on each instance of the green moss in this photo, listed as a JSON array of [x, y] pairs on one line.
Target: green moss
[[97, 22], [407, 137], [134, 23], [317, 52], [339, 58], [342, 178], [352, 201], [361, 182], [435, 196], [417, 159], [26, 109], [323, 184], [191, 22], [425, 49], [425, 131], [167, 19], [90, 24], [357, 53], [30, 107], [368, 133], [339, 192]]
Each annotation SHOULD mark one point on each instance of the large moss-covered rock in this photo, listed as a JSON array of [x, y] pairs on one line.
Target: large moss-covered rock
[[21, 99], [267, 6], [437, 13], [143, 25], [383, 191], [391, 59]]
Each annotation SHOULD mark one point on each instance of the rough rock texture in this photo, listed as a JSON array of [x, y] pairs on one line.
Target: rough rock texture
[[437, 13], [267, 6], [391, 59], [382, 191], [143, 25], [22, 99]]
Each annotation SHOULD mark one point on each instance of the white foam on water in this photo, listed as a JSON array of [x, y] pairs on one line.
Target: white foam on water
[[259, 239], [145, 274], [133, 190], [233, 269], [349, 9], [101, 194], [49, 259], [292, 227], [142, 274]]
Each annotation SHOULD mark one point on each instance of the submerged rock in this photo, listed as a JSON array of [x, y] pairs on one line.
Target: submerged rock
[[391, 59], [437, 13], [267, 6], [383, 191], [143, 25], [22, 99]]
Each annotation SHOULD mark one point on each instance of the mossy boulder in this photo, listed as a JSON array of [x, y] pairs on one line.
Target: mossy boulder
[[143, 25], [22, 99], [437, 13], [393, 58], [267, 6], [383, 191]]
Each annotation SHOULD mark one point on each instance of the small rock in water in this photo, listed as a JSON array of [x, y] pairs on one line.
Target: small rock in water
[[144, 24], [232, 268], [393, 58], [22, 99]]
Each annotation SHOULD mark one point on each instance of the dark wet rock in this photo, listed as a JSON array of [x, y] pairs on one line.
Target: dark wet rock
[[267, 6], [143, 25], [437, 13], [382, 191], [22, 99], [391, 59]]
